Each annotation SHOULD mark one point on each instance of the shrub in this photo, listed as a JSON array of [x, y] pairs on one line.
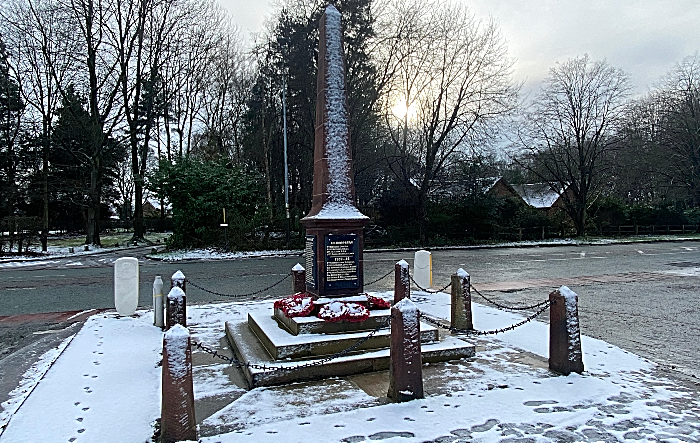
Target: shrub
[[200, 190]]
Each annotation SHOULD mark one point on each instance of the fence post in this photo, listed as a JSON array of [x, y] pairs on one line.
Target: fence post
[[177, 420], [461, 301], [405, 370], [565, 354], [402, 281], [298, 278], [176, 308], [176, 302]]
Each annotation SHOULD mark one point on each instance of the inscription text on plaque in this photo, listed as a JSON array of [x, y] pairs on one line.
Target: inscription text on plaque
[[342, 260]]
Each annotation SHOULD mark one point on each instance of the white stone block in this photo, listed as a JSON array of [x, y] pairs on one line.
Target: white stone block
[[423, 268], [126, 285]]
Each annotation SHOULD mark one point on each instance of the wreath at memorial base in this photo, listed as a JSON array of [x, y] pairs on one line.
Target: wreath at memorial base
[[377, 302], [343, 311], [298, 305]]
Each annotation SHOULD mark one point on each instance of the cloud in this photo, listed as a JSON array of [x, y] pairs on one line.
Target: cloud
[[643, 37]]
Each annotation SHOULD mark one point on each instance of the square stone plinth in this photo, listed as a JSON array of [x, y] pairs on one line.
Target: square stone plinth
[[249, 349], [280, 344]]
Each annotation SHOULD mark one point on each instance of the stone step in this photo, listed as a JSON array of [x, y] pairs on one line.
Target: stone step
[[280, 344], [315, 325], [248, 348]]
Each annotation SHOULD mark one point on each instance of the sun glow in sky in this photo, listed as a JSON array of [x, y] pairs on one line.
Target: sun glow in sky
[[399, 110]]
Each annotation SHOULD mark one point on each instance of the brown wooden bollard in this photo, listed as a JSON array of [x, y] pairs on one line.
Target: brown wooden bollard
[[298, 278], [177, 420], [176, 308], [461, 317], [405, 364], [565, 354], [402, 281]]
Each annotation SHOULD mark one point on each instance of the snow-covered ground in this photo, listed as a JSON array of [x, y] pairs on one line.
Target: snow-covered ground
[[105, 387], [216, 254]]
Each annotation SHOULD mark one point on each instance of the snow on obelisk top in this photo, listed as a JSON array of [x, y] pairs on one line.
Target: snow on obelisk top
[[333, 188]]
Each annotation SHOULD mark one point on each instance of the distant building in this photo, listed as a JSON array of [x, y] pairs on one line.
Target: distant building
[[151, 208], [499, 187], [541, 196], [537, 195]]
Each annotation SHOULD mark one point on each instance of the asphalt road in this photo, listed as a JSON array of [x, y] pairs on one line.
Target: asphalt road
[[628, 294]]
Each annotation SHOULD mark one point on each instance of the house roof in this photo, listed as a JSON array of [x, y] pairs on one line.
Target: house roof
[[537, 195]]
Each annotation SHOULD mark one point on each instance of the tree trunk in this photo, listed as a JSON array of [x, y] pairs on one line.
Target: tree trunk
[[95, 193], [45, 191]]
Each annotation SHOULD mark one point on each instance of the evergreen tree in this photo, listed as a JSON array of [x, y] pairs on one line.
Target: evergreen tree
[[11, 107]]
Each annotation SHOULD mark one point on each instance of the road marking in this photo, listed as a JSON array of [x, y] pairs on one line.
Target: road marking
[[36, 276], [50, 331], [18, 289]]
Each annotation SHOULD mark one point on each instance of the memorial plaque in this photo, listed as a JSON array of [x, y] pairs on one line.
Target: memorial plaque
[[342, 261], [311, 264]]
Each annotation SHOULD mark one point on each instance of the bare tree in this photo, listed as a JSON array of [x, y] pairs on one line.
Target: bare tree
[[224, 100], [570, 131], [677, 128], [44, 52], [451, 83]]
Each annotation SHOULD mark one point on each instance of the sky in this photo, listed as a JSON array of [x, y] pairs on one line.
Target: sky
[[645, 38]]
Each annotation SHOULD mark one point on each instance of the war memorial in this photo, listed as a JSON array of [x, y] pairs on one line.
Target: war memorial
[[330, 311]]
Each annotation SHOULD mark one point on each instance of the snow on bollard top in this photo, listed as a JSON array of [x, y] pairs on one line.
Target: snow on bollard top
[[176, 294], [298, 267], [176, 340], [409, 312], [403, 264], [461, 273], [178, 276], [568, 294], [406, 306]]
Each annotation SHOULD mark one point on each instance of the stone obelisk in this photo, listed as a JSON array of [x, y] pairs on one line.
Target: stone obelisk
[[334, 241]]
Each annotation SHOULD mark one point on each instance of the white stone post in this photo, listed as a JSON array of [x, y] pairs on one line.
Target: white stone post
[[423, 269], [158, 302], [126, 285]]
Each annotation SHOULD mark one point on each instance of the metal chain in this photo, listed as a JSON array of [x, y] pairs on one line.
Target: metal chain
[[436, 322], [428, 290], [240, 364], [380, 278], [237, 295], [508, 308]]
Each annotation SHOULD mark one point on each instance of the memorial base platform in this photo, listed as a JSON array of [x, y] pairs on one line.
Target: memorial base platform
[[279, 342]]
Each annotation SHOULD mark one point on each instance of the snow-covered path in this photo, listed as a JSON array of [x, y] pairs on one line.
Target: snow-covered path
[[104, 387]]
